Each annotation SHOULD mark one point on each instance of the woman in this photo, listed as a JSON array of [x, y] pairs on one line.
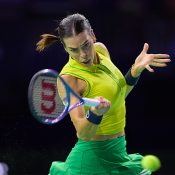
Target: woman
[[101, 145]]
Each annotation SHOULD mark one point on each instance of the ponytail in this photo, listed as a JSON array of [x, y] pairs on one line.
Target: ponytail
[[46, 41]]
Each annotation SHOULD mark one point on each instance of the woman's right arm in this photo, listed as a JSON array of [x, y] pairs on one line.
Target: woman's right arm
[[84, 128]]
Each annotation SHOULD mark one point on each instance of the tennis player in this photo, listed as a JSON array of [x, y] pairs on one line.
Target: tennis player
[[101, 146]]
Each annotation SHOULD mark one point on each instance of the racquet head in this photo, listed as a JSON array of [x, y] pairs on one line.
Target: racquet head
[[46, 104]]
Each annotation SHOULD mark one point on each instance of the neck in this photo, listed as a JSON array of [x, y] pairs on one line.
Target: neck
[[96, 59]]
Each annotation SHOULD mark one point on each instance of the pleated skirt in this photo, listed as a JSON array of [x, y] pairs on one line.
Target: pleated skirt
[[107, 157]]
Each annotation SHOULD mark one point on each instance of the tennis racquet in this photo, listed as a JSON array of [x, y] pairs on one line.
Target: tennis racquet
[[49, 97]]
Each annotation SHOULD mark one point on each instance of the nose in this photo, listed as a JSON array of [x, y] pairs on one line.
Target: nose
[[82, 54]]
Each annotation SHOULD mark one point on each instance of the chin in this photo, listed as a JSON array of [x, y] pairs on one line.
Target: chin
[[87, 65]]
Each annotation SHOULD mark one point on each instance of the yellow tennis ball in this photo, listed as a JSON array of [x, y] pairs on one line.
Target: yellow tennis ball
[[151, 163]]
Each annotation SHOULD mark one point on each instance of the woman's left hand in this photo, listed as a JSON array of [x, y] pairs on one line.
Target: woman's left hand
[[145, 61]]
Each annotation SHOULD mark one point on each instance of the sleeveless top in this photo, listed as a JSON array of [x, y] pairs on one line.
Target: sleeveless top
[[103, 79]]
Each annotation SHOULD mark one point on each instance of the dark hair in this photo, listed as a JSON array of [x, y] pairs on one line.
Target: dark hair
[[69, 26]]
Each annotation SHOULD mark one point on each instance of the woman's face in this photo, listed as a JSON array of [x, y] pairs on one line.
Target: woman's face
[[81, 48]]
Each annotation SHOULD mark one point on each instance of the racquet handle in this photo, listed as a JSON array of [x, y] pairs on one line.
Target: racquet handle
[[91, 102]]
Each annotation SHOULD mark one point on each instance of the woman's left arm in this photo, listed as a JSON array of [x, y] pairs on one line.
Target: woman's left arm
[[144, 61]]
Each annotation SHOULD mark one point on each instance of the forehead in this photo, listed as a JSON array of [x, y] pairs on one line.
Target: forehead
[[78, 40]]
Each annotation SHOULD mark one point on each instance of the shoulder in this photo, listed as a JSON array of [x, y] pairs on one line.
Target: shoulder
[[101, 48], [68, 77], [76, 84], [70, 80]]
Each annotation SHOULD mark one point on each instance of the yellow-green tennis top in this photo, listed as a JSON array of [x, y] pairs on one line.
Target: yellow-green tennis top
[[103, 79]]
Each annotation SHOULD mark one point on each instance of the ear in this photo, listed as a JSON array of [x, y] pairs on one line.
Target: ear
[[64, 46], [93, 36]]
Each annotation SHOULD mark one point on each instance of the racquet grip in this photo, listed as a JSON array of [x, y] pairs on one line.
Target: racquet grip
[[91, 102]]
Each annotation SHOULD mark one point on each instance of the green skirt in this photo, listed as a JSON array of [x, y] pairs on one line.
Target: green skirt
[[107, 157]]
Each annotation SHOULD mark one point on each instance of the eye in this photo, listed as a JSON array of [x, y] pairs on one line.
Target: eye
[[74, 50], [86, 45]]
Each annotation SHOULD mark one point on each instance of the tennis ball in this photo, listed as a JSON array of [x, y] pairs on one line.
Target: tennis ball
[[151, 163]]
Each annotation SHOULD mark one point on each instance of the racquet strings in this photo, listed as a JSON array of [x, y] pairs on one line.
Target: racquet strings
[[47, 103]]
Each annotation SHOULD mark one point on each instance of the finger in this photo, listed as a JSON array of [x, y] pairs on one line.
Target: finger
[[158, 64], [102, 102], [161, 60], [145, 48], [161, 56], [99, 98], [107, 103], [149, 68]]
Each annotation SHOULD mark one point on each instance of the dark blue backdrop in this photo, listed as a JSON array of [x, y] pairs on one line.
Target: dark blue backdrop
[[29, 147]]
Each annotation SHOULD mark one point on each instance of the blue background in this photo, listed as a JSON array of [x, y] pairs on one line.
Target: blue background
[[29, 147]]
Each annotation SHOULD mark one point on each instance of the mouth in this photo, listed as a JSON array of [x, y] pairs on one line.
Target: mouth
[[86, 62]]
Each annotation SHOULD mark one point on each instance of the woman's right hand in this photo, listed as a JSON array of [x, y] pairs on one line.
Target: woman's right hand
[[102, 108]]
